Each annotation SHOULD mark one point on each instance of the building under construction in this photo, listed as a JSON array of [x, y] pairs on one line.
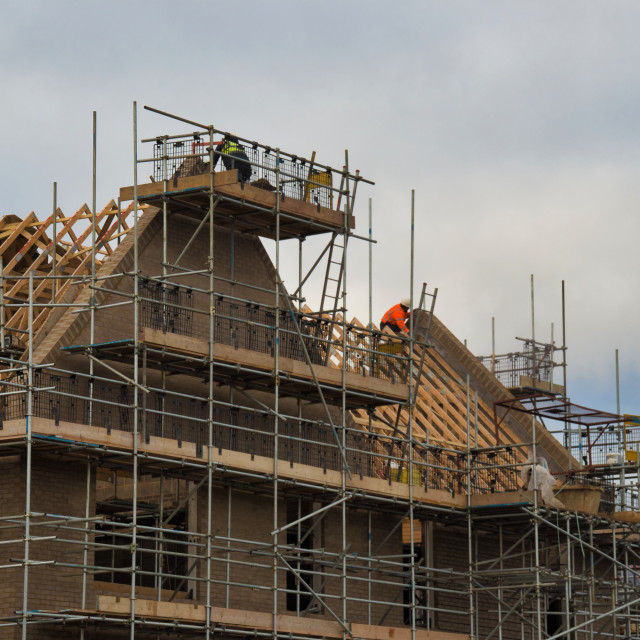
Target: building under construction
[[190, 449]]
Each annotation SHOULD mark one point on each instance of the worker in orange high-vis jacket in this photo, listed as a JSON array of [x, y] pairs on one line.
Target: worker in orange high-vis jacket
[[396, 318]]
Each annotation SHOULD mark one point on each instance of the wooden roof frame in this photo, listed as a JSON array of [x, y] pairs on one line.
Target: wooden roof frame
[[29, 245]]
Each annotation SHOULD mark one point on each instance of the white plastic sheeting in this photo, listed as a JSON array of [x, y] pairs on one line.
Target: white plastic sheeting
[[544, 480]]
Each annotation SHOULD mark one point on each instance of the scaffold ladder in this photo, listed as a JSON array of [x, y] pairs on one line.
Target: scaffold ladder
[[420, 351], [334, 274]]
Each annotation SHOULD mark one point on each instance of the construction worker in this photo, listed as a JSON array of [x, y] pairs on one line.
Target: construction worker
[[396, 318], [235, 157]]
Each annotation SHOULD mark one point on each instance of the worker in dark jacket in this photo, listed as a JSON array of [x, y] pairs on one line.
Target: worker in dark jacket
[[234, 158], [396, 318]]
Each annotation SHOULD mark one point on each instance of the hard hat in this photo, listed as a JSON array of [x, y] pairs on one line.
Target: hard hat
[[405, 302]]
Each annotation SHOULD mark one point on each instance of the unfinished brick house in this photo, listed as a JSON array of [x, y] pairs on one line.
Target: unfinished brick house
[[188, 450]]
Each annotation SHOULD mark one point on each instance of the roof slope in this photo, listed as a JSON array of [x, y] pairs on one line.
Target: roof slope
[[441, 417]]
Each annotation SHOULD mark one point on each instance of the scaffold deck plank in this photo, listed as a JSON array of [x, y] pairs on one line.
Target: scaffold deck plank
[[66, 434], [185, 193], [244, 619], [376, 391], [502, 498]]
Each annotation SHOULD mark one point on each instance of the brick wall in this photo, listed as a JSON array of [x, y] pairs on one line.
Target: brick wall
[[57, 489], [451, 552], [12, 502], [250, 264], [251, 568], [252, 522]]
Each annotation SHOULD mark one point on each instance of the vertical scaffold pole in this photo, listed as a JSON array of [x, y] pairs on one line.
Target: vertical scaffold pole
[[92, 325], [165, 188], [85, 548], [552, 352], [343, 474], [470, 557], [567, 424], [92, 297], [468, 410], [493, 345], [211, 267], [29, 441], [276, 404], [568, 580], [54, 243], [412, 563], [500, 592], [369, 564], [136, 302], [536, 504], [614, 579], [300, 241], [227, 581], [343, 419], [592, 578], [622, 437], [159, 542], [370, 267]]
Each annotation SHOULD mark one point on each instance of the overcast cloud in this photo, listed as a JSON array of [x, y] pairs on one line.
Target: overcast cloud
[[515, 122]]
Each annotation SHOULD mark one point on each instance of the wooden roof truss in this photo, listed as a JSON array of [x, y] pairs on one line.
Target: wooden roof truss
[[440, 415], [28, 246]]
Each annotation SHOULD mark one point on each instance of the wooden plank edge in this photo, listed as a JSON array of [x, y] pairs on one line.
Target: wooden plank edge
[[246, 619]]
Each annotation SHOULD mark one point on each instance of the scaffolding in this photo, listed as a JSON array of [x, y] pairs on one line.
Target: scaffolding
[[532, 367], [189, 448]]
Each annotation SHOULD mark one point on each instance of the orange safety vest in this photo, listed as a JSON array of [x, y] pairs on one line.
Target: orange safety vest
[[396, 316]]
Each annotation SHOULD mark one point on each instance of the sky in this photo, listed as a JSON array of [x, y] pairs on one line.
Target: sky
[[514, 122]]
